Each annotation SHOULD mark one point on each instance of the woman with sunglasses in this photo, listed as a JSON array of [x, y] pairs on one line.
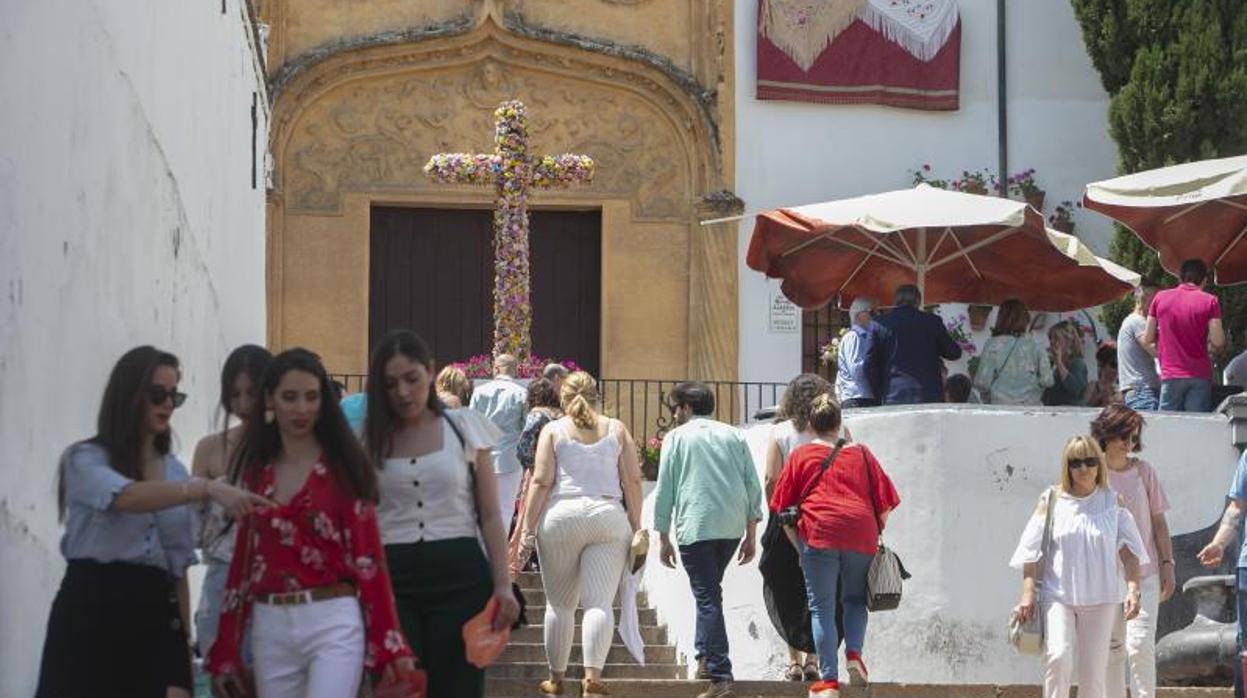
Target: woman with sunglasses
[[1118, 429], [118, 625], [1076, 583], [240, 398], [308, 573]]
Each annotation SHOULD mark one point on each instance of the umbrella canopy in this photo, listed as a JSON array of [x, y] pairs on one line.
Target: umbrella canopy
[[1197, 210], [956, 247]]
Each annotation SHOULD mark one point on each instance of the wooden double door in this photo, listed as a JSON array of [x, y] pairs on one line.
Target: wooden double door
[[432, 270]]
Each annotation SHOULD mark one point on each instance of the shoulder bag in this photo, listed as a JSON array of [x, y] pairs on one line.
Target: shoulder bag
[[1028, 637], [886, 573]]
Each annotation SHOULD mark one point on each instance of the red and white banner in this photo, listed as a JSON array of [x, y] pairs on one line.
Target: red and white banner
[[901, 53]]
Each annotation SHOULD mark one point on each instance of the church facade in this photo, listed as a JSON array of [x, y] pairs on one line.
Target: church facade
[[625, 280]]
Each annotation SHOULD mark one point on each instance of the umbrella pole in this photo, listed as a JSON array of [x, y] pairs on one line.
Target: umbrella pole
[[921, 266]]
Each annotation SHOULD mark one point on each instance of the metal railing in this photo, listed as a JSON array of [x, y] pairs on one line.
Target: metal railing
[[640, 403]]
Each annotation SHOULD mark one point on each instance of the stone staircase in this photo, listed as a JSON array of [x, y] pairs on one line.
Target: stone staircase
[[523, 665]]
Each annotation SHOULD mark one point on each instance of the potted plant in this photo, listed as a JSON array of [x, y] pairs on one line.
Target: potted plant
[[651, 452], [922, 175], [975, 182], [978, 316], [1062, 217], [829, 351], [957, 330], [1023, 184]]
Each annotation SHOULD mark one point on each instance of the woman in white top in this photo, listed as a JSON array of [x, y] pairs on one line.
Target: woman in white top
[[783, 583], [240, 397], [436, 481], [1077, 585], [584, 504]]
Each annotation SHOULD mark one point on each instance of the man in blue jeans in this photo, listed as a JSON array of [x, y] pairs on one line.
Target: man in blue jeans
[[1184, 323], [708, 485], [1213, 554]]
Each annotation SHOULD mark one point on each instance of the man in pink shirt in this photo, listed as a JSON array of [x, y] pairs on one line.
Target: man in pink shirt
[[1185, 324]]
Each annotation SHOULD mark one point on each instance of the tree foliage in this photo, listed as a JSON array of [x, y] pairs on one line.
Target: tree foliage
[[1176, 71]]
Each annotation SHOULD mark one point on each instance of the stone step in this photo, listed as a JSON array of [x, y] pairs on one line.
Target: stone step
[[536, 615], [533, 633], [536, 652], [536, 671], [668, 688]]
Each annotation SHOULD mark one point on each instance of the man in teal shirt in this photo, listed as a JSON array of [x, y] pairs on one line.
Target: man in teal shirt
[[708, 487]]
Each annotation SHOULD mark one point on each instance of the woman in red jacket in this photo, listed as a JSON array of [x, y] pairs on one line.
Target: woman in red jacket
[[842, 507], [309, 573]]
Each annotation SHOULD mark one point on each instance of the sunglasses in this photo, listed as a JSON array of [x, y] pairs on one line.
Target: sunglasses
[[157, 395], [1076, 463]]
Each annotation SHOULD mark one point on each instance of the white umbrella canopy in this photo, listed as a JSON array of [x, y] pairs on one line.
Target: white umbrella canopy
[[956, 247], [1196, 210]]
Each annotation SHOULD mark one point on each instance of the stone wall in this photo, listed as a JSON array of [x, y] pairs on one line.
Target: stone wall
[[128, 215], [968, 479]]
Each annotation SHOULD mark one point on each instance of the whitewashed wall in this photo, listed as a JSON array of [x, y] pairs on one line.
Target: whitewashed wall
[[791, 153], [127, 216], [968, 479]]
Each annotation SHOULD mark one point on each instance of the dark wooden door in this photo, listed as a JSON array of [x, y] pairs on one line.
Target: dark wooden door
[[432, 271]]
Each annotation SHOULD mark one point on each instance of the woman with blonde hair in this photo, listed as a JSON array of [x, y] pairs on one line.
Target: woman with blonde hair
[[1069, 370], [583, 505], [1012, 369], [453, 386], [1075, 584]]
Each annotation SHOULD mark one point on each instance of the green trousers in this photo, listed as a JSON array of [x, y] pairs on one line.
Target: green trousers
[[439, 585]]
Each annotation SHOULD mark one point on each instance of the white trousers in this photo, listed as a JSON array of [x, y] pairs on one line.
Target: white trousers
[[508, 490], [1136, 641], [1081, 631], [583, 543], [313, 650]]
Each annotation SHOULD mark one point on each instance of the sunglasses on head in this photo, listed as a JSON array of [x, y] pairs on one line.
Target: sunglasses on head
[[158, 394], [1076, 463]]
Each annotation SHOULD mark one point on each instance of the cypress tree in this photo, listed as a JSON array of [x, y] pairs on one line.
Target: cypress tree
[[1176, 72]]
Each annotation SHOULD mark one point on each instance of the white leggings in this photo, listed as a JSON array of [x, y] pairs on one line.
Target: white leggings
[[583, 546], [1135, 640], [1081, 631], [313, 650]]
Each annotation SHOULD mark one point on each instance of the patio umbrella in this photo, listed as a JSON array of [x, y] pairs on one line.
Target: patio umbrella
[[956, 247], [1197, 210]]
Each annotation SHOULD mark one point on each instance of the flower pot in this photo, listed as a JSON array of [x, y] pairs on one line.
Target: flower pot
[[1065, 226], [1035, 199], [978, 316], [976, 189]]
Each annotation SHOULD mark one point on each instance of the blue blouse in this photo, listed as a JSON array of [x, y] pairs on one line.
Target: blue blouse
[[94, 530]]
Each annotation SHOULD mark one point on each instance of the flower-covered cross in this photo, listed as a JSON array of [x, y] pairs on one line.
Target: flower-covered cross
[[513, 172]]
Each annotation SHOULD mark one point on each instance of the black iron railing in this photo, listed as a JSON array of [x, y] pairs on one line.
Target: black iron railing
[[641, 403]]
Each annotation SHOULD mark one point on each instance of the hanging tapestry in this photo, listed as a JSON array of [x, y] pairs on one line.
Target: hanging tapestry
[[901, 53]]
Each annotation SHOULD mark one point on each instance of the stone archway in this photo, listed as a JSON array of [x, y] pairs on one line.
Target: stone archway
[[354, 129]]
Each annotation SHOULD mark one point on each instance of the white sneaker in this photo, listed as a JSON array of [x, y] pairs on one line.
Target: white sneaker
[[858, 676]]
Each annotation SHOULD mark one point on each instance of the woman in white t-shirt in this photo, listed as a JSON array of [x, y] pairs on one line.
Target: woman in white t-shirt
[[439, 501], [1118, 429], [1077, 585]]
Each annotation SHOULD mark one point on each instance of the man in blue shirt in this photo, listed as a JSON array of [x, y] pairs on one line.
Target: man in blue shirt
[[505, 402], [1214, 553], [860, 381], [918, 341]]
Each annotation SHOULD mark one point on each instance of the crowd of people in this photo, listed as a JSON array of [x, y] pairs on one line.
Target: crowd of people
[[1162, 357], [354, 539]]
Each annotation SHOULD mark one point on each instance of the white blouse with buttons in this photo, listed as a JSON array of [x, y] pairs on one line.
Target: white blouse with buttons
[[430, 497]]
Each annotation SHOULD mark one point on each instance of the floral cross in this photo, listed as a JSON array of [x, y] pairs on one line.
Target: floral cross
[[513, 172]]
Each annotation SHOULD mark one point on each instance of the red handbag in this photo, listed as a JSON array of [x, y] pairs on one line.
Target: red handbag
[[405, 684]]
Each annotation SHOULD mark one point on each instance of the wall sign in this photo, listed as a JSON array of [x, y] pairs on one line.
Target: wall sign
[[784, 316]]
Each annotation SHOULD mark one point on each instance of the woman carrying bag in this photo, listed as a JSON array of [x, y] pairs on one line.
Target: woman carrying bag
[[1013, 368], [835, 498], [432, 507], [1073, 578]]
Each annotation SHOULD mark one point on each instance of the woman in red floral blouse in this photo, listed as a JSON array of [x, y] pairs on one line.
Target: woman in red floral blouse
[[303, 570]]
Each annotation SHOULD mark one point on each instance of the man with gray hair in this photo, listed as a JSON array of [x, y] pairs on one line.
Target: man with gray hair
[[505, 402], [919, 341], [1136, 359], [555, 373], [859, 369]]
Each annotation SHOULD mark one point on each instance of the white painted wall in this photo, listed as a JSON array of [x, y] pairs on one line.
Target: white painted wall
[[968, 479], [127, 216], [791, 153]]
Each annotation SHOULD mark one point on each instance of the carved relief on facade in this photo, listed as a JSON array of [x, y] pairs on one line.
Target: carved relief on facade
[[376, 134]]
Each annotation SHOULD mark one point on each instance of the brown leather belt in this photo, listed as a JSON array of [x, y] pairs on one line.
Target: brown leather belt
[[297, 598]]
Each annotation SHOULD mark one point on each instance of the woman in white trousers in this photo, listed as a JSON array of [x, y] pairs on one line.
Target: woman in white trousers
[[1075, 583], [584, 504]]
